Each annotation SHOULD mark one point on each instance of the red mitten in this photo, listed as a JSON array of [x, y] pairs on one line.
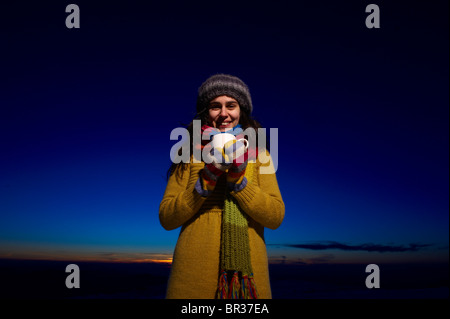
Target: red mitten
[[237, 153], [215, 166]]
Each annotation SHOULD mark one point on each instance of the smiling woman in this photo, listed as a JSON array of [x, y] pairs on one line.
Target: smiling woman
[[224, 113], [222, 207]]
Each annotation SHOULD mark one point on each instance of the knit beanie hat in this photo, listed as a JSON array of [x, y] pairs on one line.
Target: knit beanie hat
[[224, 84]]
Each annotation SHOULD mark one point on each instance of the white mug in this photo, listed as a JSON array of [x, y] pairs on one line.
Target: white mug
[[219, 140]]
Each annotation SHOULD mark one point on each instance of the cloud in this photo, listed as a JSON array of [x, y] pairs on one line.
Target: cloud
[[363, 247], [326, 258], [321, 259]]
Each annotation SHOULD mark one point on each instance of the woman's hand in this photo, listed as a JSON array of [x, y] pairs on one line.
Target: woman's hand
[[236, 152], [215, 166], [216, 158]]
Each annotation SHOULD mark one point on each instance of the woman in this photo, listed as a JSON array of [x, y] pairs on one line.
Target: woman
[[222, 204]]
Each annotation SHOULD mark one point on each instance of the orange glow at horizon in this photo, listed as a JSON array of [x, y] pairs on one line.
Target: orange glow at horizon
[[159, 258], [149, 260]]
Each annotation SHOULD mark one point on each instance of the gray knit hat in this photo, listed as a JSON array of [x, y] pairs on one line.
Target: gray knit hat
[[224, 84]]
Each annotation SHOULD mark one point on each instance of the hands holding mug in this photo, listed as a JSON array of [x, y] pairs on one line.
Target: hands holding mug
[[225, 151], [223, 154]]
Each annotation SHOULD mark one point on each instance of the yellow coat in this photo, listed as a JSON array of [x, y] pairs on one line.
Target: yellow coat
[[195, 266]]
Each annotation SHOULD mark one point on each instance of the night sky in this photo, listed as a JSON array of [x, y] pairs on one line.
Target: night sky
[[362, 117]]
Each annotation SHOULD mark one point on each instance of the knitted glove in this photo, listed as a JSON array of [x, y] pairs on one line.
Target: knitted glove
[[236, 152], [215, 166]]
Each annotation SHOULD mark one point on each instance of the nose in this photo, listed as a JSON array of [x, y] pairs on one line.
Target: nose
[[223, 112]]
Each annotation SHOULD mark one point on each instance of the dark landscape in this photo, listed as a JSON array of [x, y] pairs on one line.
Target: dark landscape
[[38, 279]]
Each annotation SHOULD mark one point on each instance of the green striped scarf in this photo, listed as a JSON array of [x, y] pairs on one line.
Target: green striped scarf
[[236, 274]]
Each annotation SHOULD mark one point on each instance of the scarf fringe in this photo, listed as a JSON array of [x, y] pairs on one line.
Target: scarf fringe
[[249, 287], [236, 289], [222, 291]]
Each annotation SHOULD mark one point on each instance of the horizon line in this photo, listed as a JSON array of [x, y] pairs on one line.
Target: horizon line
[[168, 262]]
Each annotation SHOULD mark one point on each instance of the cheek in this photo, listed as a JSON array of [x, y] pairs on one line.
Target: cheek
[[211, 117], [236, 117]]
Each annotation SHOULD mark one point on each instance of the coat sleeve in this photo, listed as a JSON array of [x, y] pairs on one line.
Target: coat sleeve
[[180, 201], [263, 203]]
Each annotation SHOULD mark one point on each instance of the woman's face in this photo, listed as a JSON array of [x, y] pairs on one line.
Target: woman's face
[[224, 113]]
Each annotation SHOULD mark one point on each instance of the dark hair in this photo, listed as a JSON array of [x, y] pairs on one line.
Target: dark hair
[[245, 120]]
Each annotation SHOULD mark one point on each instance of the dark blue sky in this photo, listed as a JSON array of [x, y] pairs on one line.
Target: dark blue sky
[[362, 117]]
